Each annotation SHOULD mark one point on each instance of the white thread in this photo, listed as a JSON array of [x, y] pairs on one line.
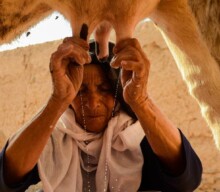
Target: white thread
[[86, 142], [116, 93]]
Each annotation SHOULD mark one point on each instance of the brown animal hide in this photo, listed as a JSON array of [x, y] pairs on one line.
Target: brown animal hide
[[196, 60], [207, 14]]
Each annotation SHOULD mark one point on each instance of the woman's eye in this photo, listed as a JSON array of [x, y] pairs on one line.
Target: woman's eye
[[81, 91], [105, 89]]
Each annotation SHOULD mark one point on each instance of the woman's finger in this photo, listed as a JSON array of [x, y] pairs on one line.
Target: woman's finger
[[123, 44], [61, 57], [128, 53], [76, 40], [140, 69], [75, 73], [125, 77]]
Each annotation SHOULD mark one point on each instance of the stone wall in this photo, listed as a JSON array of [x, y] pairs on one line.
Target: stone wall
[[25, 87]]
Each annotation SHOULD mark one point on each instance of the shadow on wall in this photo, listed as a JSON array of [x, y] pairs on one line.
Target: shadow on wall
[[2, 139]]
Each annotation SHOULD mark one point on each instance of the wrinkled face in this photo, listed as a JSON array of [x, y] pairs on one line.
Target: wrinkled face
[[97, 99]]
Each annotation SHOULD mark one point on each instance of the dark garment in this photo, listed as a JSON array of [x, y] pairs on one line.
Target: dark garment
[[31, 179], [154, 177]]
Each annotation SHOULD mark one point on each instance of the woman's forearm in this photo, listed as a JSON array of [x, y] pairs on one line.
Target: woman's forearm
[[162, 135], [25, 148]]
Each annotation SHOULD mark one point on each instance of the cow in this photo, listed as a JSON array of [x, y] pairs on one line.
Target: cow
[[194, 53]]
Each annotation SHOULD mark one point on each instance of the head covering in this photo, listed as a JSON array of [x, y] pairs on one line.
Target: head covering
[[111, 73]]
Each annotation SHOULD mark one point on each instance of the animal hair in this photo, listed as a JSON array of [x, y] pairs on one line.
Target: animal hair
[[191, 29]]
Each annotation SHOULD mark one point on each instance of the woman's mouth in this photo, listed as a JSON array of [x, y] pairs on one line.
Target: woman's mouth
[[94, 116]]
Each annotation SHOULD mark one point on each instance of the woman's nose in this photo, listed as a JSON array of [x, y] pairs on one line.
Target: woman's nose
[[93, 100]]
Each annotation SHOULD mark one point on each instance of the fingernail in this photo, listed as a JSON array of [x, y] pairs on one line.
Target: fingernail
[[112, 65], [113, 59], [82, 61], [123, 62]]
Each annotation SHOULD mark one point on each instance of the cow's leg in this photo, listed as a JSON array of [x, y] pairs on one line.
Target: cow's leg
[[198, 68]]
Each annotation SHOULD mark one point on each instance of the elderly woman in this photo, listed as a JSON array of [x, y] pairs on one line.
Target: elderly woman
[[100, 130]]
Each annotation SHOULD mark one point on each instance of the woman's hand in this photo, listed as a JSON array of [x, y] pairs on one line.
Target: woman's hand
[[163, 137], [134, 70], [66, 67]]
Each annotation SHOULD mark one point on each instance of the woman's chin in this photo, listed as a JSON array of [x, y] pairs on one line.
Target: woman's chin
[[96, 125]]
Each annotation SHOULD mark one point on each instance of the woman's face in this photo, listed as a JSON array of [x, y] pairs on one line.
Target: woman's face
[[97, 97]]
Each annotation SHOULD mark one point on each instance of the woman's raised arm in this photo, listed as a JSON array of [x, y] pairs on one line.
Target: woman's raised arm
[[163, 137], [25, 147]]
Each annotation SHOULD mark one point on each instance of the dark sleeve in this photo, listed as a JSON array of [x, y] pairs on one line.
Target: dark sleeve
[[31, 179], [154, 177]]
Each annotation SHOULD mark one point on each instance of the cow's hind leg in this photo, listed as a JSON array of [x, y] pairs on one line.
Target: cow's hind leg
[[198, 68]]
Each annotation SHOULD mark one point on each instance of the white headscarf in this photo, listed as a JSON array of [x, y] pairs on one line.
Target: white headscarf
[[115, 156]]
